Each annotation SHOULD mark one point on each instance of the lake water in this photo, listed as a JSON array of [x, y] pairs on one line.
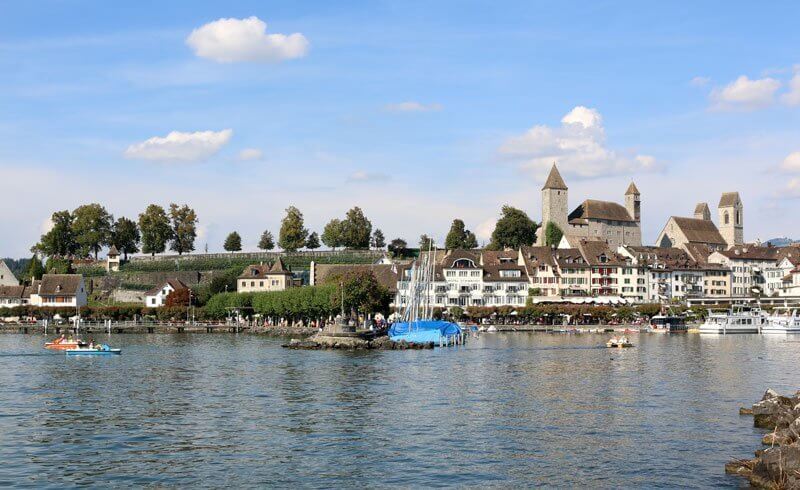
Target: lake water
[[507, 410]]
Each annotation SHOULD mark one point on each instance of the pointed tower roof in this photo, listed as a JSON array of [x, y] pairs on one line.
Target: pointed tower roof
[[554, 180], [728, 199], [112, 252], [278, 267], [701, 208], [632, 189]]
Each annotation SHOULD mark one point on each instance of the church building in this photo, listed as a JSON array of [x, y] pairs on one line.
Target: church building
[[592, 219]]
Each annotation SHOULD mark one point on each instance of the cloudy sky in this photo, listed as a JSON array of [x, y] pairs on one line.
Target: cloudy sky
[[419, 112]]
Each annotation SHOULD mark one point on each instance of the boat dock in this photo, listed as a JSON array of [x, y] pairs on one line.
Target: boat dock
[[110, 327]]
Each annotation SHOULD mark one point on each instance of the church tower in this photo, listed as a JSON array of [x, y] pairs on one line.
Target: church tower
[[731, 219], [701, 211], [633, 202], [554, 203]]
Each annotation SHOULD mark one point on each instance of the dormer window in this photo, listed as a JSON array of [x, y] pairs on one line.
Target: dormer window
[[463, 264], [255, 272]]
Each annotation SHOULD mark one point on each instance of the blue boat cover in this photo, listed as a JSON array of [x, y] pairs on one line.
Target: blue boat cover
[[423, 330]]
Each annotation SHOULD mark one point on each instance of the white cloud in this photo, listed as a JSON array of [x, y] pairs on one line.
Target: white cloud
[[793, 188], [249, 154], [361, 176], [745, 94], [578, 146], [792, 162], [699, 81], [179, 146], [232, 40], [792, 97], [412, 106]]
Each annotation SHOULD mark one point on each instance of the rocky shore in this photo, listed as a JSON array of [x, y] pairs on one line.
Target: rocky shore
[[285, 330], [321, 341], [778, 466]]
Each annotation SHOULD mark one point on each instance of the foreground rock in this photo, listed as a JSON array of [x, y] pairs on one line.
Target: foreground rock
[[321, 341], [778, 466], [286, 331]]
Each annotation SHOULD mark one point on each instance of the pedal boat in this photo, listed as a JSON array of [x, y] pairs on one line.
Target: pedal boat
[[102, 351], [618, 343], [64, 345]]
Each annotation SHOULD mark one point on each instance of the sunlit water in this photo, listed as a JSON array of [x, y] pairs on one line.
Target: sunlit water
[[507, 410]]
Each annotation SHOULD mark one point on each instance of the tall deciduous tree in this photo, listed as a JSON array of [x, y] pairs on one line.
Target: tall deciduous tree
[[60, 240], [459, 237], [266, 242], [332, 234], [156, 230], [397, 247], [552, 234], [378, 240], [184, 228], [313, 241], [125, 236], [470, 241], [293, 234], [92, 228], [356, 229], [362, 291], [233, 243], [513, 230], [425, 242]]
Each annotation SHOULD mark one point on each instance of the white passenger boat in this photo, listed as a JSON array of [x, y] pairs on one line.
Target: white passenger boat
[[782, 320], [740, 319]]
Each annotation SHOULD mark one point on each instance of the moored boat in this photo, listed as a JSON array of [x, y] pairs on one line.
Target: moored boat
[[668, 324], [782, 320], [740, 319]]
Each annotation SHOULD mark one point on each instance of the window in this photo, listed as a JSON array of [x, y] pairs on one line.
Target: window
[[726, 218], [261, 284]]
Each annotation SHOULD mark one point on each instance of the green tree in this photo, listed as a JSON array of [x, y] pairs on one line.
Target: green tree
[[184, 228], [92, 228], [356, 229], [398, 247], [155, 228], [457, 235], [332, 234], [35, 269], [125, 236], [513, 230], [425, 241], [58, 265], [233, 243], [362, 291], [292, 235], [312, 242], [266, 242], [60, 240], [552, 234], [470, 241], [378, 240]]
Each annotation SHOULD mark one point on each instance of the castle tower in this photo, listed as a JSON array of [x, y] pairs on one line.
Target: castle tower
[[554, 203], [701, 211], [731, 219], [633, 202]]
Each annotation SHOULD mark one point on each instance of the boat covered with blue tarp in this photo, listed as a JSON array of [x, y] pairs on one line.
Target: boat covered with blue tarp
[[423, 331]]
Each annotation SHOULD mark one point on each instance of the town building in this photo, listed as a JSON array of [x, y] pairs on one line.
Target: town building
[[699, 230], [11, 296], [748, 264], [59, 290], [258, 278], [592, 219], [157, 297], [7, 278], [465, 278], [112, 260]]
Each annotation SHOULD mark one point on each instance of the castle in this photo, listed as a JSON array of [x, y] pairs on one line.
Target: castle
[[592, 219]]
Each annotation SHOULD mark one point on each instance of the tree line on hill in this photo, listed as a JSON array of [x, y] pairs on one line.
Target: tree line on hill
[[89, 228]]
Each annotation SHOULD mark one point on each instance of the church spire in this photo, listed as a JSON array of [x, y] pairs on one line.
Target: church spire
[[554, 180], [632, 189]]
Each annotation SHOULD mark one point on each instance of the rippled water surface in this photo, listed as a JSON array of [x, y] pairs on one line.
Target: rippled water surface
[[507, 410]]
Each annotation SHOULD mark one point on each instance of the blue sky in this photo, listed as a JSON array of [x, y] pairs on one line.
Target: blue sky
[[419, 112]]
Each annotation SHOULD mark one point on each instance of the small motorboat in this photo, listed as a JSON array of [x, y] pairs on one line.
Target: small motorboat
[[491, 329], [100, 350], [619, 342]]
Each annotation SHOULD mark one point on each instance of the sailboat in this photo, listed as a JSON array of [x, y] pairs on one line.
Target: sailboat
[[416, 321]]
